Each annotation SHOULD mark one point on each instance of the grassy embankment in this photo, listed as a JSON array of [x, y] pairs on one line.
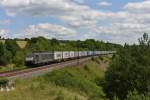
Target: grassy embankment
[[72, 83]]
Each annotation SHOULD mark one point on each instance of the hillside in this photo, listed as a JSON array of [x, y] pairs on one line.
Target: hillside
[[70, 83]]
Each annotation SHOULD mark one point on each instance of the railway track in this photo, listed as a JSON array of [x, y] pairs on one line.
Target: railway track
[[32, 72]]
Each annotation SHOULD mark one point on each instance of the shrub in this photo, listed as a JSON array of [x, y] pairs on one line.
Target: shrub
[[136, 96], [129, 70], [60, 96], [76, 82], [3, 82], [101, 58], [19, 59], [86, 68]]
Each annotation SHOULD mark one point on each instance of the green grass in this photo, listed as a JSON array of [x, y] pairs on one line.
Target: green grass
[[10, 67], [81, 79], [70, 83], [36, 89]]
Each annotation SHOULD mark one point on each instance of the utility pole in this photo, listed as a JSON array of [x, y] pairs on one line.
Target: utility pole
[[78, 52]]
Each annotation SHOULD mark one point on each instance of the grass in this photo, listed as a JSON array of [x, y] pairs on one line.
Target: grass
[[70, 83], [80, 79], [36, 89], [10, 67]]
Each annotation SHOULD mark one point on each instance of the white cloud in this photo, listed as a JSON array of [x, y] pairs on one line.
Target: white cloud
[[130, 23], [4, 33], [140, 7], [36, 8], [62, 9], [104, 3], [47, 30]]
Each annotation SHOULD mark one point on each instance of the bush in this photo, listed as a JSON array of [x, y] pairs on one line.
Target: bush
[[101, 58], [76, 82], [136, 96], [12, 46], [3, 82], [86, 68], [60, 96], [95, 59], [19, 59], [5, 55], [129, 70]]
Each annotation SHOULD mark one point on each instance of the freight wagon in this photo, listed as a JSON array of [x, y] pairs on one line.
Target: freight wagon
[[47, 57]]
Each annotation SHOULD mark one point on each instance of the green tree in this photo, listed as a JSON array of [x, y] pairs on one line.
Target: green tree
[[5, 55], [129, 70], [19, 59], [38, 44], [12, 46]]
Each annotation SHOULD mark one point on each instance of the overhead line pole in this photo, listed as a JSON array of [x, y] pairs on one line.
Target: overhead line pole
[[78, 52]]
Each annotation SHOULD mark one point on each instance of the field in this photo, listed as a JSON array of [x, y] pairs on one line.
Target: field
[[3, 41], [22, 44], [73, 83]]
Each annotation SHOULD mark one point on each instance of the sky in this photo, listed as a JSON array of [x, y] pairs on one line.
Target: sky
[[116, 21]]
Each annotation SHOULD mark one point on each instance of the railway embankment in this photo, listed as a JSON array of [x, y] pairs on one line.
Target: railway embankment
[[69, 83]]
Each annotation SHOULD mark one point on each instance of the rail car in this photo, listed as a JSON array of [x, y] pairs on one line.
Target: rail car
[[47, 57]]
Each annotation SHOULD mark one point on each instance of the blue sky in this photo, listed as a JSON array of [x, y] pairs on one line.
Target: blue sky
[[116, 21]]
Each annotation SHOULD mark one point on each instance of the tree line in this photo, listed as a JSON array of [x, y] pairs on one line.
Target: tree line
[[11, 53]]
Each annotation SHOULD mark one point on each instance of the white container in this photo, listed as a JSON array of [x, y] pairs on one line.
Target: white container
[[76, 54], [72, 54], [66, 54], [58, 55]]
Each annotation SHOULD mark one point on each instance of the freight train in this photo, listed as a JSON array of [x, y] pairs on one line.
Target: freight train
[[57, 56]]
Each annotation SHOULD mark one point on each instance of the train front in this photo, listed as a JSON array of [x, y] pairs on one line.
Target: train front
[[29, 59]]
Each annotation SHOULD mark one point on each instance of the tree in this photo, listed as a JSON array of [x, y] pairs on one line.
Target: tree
[[5, 55], [19, 59], [12, 46], [129, 70], [38, 44]]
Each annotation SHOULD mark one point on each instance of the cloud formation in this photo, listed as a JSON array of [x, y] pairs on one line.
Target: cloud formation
[[4, 33], [47, 30], [104, 3], [81, 21]]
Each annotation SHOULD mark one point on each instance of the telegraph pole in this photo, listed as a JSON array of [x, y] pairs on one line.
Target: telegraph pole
[[78, 52]]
